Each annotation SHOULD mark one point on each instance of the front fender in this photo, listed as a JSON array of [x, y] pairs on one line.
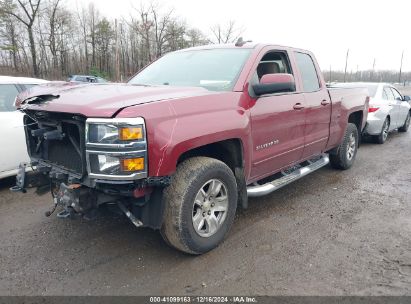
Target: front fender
[[177, 126]]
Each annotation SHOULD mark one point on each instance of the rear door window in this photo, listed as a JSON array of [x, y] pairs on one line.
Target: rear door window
[[8, 93], [397, 96], [308, 72], [389, 93]]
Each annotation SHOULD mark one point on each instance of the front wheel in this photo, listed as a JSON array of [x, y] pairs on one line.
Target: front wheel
[[345, 155], [200, 205], [406, 124]]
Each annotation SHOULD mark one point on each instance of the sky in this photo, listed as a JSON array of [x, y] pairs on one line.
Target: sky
[[371, 30]]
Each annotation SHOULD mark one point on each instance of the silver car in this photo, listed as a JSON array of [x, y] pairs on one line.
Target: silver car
[[388, 110]]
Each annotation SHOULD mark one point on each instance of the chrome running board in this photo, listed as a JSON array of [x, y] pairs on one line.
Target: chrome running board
[[256, 190]]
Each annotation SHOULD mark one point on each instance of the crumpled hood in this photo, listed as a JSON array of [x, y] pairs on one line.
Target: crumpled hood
[[99, 100]]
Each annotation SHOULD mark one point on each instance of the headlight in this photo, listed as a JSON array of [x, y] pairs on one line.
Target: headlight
[[116, 148], [114, 134], [103, 133], [108, 164]]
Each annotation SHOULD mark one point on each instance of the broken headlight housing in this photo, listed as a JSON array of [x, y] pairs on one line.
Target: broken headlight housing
[[116, 149]]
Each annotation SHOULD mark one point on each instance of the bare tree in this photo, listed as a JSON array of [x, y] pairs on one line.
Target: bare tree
[[9, 38], [26, 13], [144, 27], [176, 36], [82, 18], [93, 20], [82, 41], [226, 34], [103, 41], [195, 37], [52, 16], [160, 27]]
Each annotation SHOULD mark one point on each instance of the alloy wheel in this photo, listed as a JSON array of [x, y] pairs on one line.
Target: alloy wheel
[[351, 147], [210, 208], [407, 122], [385, 130]]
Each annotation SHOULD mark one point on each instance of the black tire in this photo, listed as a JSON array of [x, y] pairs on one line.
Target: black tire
[[406, 124], [382, 137], [340, 159], [191, 176]]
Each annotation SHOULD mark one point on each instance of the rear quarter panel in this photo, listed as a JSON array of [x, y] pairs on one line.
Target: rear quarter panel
[[346, 101]]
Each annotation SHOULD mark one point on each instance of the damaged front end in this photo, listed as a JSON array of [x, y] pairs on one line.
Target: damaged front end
[[87, 163]]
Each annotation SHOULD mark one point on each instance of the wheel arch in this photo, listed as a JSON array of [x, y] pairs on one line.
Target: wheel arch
[[389, 122], [357, 119], [230, 152]]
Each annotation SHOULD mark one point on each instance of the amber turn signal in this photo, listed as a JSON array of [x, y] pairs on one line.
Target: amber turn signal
[[132, 164], [131, 133]]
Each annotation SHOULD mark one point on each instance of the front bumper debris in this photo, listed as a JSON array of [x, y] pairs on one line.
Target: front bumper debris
[[20, 180], [27, 179]]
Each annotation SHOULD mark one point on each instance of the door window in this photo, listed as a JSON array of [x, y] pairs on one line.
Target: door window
[[397, 96], [8, 93], [272, 63], [81, 79], [308, 72], [389, 93]]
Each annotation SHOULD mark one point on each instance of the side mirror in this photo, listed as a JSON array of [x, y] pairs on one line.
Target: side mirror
[[275, 83], [407, 98]]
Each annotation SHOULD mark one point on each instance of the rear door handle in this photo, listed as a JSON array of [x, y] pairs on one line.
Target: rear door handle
[[298, 106], [325, 102]]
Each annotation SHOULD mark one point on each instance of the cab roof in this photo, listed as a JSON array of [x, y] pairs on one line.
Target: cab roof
[[245, 45]]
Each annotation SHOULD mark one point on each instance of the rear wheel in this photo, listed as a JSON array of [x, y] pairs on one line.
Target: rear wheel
[[347, 151], [382, 137], [406, 124], [200, 205]]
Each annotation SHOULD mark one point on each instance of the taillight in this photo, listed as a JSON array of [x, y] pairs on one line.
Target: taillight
[[371, 110]]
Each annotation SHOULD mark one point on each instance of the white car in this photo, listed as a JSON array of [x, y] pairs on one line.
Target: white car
[[388, 110], [13, 149]]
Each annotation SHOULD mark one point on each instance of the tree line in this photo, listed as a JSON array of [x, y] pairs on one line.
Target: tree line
[[44, 38], [368, 76]]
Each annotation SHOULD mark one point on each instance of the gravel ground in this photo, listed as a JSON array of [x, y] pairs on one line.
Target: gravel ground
[[331, 233]]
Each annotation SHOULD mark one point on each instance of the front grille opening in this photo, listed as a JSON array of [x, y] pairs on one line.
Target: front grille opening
[[68, 153], [63, 153]]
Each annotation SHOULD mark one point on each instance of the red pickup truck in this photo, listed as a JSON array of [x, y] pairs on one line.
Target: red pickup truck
[[191, 137]]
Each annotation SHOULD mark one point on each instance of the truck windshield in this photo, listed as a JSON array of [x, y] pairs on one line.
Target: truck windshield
[[214, 69]]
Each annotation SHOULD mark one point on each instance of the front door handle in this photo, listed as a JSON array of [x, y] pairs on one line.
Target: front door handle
[[325, 102], [298, 106]]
